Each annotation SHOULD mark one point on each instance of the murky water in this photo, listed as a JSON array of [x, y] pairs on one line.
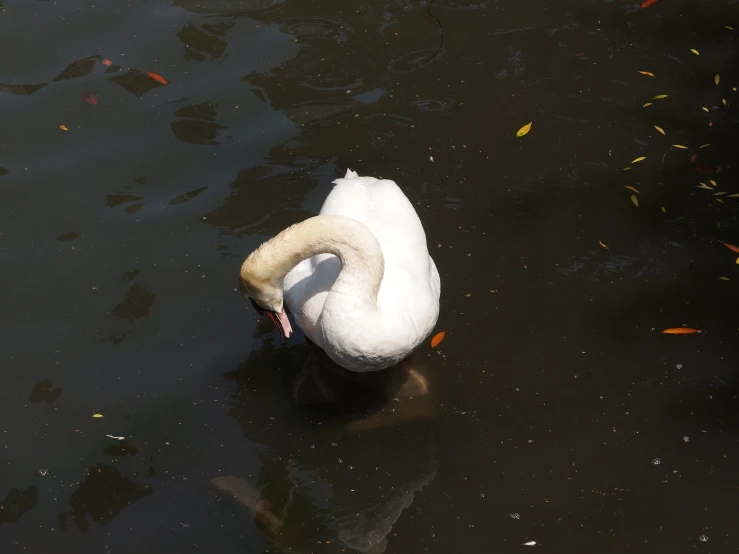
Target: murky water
[[553, 391]]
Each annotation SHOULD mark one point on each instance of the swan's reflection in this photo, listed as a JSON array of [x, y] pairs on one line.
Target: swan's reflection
[[348, 452]]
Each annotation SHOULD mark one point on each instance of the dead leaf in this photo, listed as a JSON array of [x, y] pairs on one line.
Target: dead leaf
[[438, 337], [694, 51], [649, 73], [639, 159], [717, 78], [63, 128], [680, 146], [106, 63], [731, 247], [729, 28], [90, 98], [680, 331], [718, 193], [635, 200], [733, 196], [664, 210], [704, 146], [704, 109], [158, 78], [97, 415], [627, 168], [723, 101], [524, 130], [660, 129], [603, 245], [631, 188], [724, 278], [704, 186], [647, 104], [693, 157], [659, 97]]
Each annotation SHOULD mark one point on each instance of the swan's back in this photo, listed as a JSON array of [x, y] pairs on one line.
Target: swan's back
[[410, 285]]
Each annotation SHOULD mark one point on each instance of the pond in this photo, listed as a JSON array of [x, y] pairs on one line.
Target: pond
[[147, 147]]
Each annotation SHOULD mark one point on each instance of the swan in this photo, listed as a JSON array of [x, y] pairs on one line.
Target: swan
[[357, 278]]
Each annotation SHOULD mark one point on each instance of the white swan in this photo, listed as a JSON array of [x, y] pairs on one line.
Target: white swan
[[358, 278]]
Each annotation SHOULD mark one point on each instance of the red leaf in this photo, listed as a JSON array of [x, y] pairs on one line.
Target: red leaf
[[158, 78], [731, 247], [107, 63], [90, 98], [648, 3], [438, 337]]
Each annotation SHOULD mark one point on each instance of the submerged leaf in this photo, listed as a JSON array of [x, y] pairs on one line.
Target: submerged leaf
[[639, 159], [694, 51], [680, 331], [524, 130], [438, 337], [660, 129], [631, 188], [680, 146], [90, 98], [635, 200], [731, 247]]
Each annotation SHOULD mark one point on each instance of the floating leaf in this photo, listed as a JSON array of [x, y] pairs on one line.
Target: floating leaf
[[97, 415], [632, 188], [438, 337], [158, 78], [717, 78], [680, 331], [694, 51], [635, 200], [90, 98], [729, 28], [63, 127], [733, 196], [712, 182], [731, 247], [737, 260], [704, 146], [603, 245], [664, 210], [649, 73], [660, 129], [647, 104], [627, 168], [718, 193], [723, 101], [704, 108], [719, 200], [659, 97], [524, 130], [639, 159], [680, 146], [704, 186], [724, 278]]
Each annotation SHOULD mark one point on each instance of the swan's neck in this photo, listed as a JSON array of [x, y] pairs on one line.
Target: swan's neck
[[362, 263]]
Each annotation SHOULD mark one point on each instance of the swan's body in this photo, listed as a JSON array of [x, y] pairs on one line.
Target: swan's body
[[358, 278]]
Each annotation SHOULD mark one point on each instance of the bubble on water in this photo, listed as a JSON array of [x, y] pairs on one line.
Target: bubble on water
[[703, 538], [656, 461], [312, 445], [482, 495], [333, 444], [686, 438], [679, 366], [514, 516]]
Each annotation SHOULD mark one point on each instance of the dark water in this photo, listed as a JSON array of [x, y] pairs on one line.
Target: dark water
[[553, 391]]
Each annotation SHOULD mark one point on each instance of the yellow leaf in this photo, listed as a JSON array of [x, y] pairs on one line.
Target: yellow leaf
[[712, 182], [647, 104], [723, 101], [603, 245], [631, 188], [660, 129], [733, 196], [694, 51], [704, 108], [733, 88], [97, 415], [704, 146], [724, 278], [524, 130], [719, 200], [63, 127], [717, 78], [635, 200], [718, 193], [627, 168], [680, 146], [639, 159], [704, 186], [649, 73], [663, 210], [737, 260], [659, 96], [729, 28]]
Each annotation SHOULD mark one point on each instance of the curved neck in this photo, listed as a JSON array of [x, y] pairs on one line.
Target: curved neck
[[362, 262]]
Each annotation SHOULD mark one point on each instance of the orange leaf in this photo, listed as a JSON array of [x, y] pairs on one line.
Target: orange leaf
[[106, 63], [680, 331], [438, 337], [158, 78], [648, 73], [731, 247]]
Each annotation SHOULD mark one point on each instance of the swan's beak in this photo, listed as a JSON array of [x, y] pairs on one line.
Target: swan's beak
[[281, 322], [278, 318]]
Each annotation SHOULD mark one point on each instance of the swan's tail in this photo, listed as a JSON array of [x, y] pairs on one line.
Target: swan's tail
[[350, 174]]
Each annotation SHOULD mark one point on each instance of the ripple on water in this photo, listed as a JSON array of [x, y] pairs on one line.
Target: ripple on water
[[322, 28], [412, 61]]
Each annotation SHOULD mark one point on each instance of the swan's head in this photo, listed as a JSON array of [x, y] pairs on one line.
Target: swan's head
[[267, 300]]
